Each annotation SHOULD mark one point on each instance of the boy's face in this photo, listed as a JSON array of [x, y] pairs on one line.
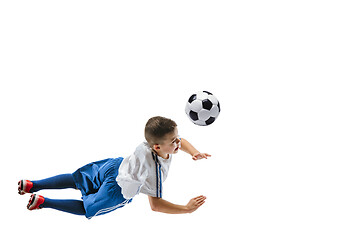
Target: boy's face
[[170, 145]]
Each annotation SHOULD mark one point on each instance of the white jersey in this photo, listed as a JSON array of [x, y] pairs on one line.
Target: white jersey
[[143, 171]]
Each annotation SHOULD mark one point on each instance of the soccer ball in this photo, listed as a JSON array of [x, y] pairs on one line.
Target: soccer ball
[[202, 108]]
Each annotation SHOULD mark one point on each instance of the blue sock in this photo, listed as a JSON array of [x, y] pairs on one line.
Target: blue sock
[[69, 206], [58, 182]]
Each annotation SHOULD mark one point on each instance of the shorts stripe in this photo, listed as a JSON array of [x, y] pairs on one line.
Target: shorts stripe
[[109, 209]]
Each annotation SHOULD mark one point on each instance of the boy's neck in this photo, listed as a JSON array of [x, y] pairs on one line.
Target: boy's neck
[[162, 155]]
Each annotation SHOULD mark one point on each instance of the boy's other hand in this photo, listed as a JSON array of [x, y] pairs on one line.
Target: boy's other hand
[[198, 156]]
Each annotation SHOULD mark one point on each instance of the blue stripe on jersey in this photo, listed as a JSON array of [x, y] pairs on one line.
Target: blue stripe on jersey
[[160, 180], [157, 178]]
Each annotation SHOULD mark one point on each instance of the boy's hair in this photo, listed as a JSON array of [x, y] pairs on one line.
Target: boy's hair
[[156, 128]]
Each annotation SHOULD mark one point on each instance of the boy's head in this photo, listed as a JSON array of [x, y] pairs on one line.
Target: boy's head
[[162, 135]]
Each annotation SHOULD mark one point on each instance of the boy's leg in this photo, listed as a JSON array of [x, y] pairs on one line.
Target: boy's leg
[[57, 182], [69, 206]]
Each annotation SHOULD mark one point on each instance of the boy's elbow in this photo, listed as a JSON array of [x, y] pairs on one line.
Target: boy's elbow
[[153, 204], [154, 208]]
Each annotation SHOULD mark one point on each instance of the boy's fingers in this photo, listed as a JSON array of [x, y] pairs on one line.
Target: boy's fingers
[[200, 198], [200, 156]]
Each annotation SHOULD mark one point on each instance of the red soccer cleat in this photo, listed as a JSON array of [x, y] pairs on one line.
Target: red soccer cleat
[[24, 186], [35, 201]]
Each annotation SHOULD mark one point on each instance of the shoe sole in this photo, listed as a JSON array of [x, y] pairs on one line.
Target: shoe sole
[[20, 188], [33, 202]]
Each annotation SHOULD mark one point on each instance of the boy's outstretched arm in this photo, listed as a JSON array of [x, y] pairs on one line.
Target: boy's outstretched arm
[[161, 205], [190, 149]]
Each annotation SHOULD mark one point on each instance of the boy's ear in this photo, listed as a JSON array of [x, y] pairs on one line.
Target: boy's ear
[[156, 147]]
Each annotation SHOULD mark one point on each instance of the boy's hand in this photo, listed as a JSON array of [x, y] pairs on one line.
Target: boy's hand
[[198, 156], [195, 203]]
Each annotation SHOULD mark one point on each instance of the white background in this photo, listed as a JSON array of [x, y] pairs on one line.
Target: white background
[[79, 79]]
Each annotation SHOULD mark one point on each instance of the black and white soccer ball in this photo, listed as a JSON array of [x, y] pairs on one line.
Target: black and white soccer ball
[[202, 108]]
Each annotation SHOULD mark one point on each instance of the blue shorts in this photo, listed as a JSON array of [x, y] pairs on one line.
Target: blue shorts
[[97, 182]]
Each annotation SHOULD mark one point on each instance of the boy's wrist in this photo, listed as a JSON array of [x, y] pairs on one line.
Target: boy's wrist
[[195, 153], [187, 210]]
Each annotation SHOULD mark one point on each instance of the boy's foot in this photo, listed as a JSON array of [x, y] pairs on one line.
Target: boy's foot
[[35, 201], [24, 186]]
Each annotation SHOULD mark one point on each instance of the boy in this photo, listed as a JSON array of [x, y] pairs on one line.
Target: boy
[[112, 183]]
